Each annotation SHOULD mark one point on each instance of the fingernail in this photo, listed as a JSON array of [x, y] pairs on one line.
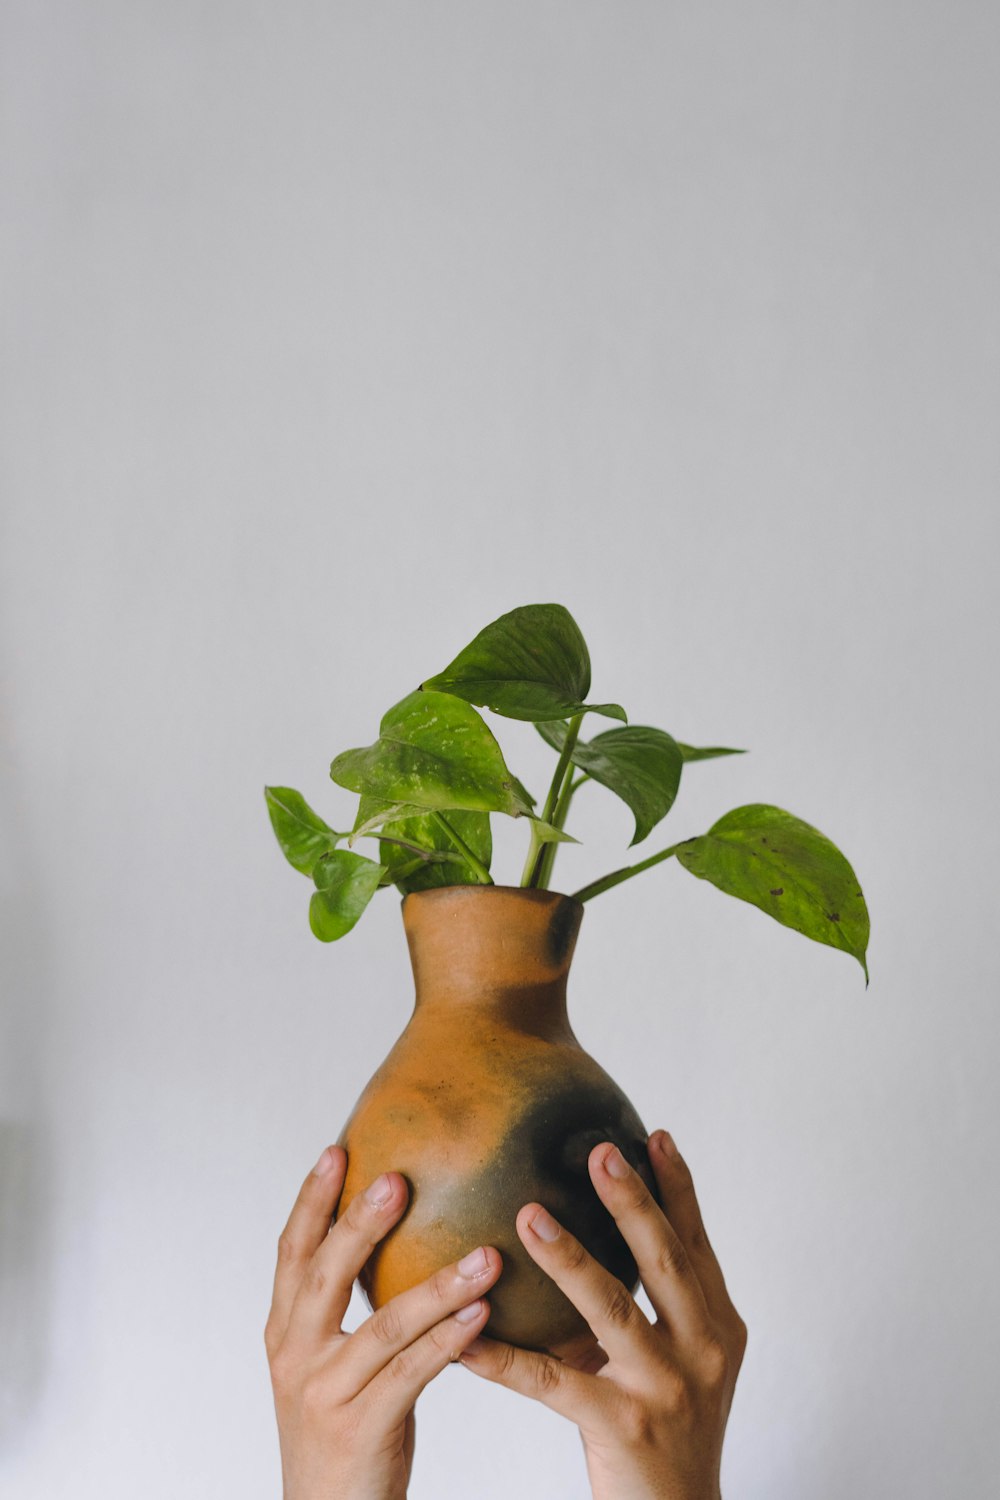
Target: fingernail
[[469, 1314], [478, 1346], [615, 1164], [379, 1191], [473, 1264], [665, 1142], [325, 1164], [545, 1226]]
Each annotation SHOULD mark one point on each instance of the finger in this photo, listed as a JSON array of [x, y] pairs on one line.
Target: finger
[[665, 1267], [304, 1232], [676, 1187], [606, 1303], [541, 1377], [394, 1390], [327, 1282], [411, 1314]]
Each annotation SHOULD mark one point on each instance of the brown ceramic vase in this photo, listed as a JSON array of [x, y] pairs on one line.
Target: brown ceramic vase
[[486, 1102]]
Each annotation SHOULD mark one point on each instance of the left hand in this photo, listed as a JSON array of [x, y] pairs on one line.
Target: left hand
[[344, 1401], [653, 1416]]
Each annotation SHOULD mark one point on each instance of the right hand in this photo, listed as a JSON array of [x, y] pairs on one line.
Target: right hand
[[344, 1402], [653, 1406]]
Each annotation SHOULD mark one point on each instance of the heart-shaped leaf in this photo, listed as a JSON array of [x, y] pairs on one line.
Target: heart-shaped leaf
[[709, 752], [788, 869], [345, 883], [532, 663], [433, 751], [639, 764], [302, 834], [422, 829]]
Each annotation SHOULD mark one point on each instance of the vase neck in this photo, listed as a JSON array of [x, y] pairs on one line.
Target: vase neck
[[493, 947]]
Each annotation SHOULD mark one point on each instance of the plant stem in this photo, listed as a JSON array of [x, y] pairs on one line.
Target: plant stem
[[402, 872], [559, 817], [617, 876], [534, 848], [563, 771], [428, 856], [475, 865]]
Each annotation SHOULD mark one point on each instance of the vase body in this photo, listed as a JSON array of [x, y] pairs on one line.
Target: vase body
[[487, 1102]]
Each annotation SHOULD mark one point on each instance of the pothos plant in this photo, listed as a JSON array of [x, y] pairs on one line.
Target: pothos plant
[[429, 784]]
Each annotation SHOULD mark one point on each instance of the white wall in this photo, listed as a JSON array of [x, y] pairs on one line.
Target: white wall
[[332, 332]]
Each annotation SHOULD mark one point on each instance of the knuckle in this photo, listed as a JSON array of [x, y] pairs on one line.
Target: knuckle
[[739, 1335], [272, 1339], [635, 1420], [574, 1256], [314, 1397], [405, 1367], [714, 1363], [617, 1305], [288, 1250], [386, 1325], [640, 1199], [699, 1238], [672, 1259], [548, 1375], [675, 1398], [441, 1339], [505, 1357], [283, 1369], [314, 1281]]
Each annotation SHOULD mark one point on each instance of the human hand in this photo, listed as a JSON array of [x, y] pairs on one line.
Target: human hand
[[653, 1414], [344, 1401]]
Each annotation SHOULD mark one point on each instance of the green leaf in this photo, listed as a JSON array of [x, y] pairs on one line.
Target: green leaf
[[345, 883], [302, 834], [433, 751], [531, 664], [710, 752], [788, 869], [639, 764], [446, 867]]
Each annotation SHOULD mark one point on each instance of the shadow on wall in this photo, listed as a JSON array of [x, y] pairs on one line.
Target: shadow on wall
[[25, 1204]]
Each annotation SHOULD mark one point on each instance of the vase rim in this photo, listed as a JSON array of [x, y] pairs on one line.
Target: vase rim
[[530, 893]]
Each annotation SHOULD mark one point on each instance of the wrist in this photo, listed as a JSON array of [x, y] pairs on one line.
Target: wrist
[[341, 1486], [638, 1483]]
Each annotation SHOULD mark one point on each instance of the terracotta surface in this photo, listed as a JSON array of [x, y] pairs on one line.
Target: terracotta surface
[[487, 1102]]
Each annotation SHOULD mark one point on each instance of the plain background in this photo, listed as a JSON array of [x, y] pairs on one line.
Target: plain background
[[331, 333]]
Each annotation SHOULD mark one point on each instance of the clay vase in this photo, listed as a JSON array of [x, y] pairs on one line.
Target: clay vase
[[487, 1102]]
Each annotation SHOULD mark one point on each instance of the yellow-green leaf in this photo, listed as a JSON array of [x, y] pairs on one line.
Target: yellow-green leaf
[[788, 869]]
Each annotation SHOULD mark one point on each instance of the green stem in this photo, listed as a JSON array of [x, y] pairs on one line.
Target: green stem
[[475, 865], [564, 770], [428, 856], [535, 847], [559, 820], [402, 872], [617, 876]]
